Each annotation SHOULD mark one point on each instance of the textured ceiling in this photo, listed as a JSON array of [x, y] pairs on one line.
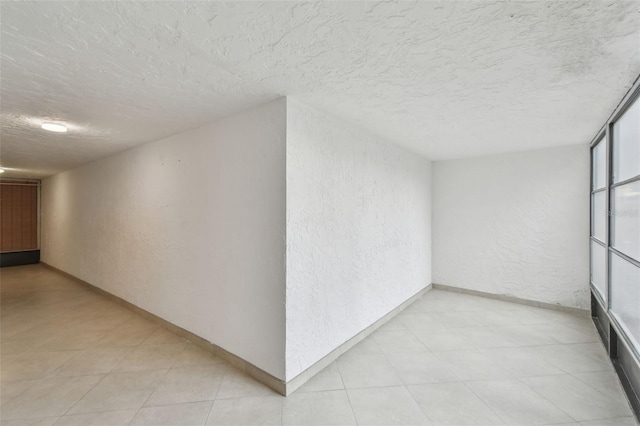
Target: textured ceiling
[[444, 79]]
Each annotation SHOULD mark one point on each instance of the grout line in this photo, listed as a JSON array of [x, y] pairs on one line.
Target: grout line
[[151, 393], [85, 394], [346, 391], [281, 410], [3, 402], [547, 399], [617, 380], [405, 385], [485, 403], [89, 413]]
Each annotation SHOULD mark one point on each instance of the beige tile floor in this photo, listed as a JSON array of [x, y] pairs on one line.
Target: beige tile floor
[[72, 357]]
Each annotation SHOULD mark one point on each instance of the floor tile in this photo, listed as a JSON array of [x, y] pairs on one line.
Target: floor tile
[[71, 341], [45, 331], [525, 335], [421, 367], [106, 418], [474, 365], [528, 315], [161, 336], [125, 337], [453, 404], [595, 350], [236, 384], [120, 391], [138, 322], [367, 371], [193, 355], [606, 382], [366, 347], [48, 421], [19, 346], [566, 318], [416, 320], [578, 399], [517, 404], [10, 390], [386, 406], [328, 379], [440, 301], [189, 414], [464, 359], [443, 339], [317, 408], [572, 359], [493, 318], [33, 365], [463, 338], [103, 323], [398, 341], [564, 334], [586, 327], [188, 384], [265, 410], [521, 362], [459, 319], [150, 357], [92, 361], [49, 397], [392, 325]]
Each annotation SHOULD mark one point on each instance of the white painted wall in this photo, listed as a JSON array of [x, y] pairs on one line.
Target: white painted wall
[[190, 228], [358, 232], [515, 224]]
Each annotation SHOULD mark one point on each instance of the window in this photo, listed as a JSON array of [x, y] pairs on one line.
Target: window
[[615, 221], [599, 218], [624, 261]]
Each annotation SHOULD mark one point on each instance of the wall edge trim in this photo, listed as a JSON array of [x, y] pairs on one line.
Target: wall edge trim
[[513, 299], [241, 364], [299, 380]]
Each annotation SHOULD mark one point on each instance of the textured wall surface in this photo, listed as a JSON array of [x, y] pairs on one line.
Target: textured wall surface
[[358, 232], [430, 76], [515, 224], [190, 228]]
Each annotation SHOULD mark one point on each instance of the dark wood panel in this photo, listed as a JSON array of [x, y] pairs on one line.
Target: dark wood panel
[[18, 217]]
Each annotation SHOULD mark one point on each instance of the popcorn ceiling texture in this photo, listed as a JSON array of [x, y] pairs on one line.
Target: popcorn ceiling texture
[[443, 79], [515, 224], [358, 232]]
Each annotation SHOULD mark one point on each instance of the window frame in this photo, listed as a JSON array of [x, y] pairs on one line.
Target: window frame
[[605, 135]]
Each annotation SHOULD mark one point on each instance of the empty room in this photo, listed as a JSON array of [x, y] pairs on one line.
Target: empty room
[[320, 213]]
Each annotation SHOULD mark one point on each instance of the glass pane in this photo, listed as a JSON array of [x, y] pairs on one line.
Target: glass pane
[[625, 216], [626, 144], [625, 296], [598, 164], [598, 271], [599, 215]]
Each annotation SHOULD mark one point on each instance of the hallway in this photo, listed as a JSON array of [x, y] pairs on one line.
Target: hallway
[[70, 356]]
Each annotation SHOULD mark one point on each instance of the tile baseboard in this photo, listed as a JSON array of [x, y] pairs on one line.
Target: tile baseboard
[[307, 374], [257, 373], [513, 299], [278, 385]]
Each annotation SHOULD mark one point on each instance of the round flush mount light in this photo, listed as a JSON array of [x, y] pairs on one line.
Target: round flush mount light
[[54, 127]]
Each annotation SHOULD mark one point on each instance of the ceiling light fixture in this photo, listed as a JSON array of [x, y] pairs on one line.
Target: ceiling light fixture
[[54, 127], [1, 170]]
